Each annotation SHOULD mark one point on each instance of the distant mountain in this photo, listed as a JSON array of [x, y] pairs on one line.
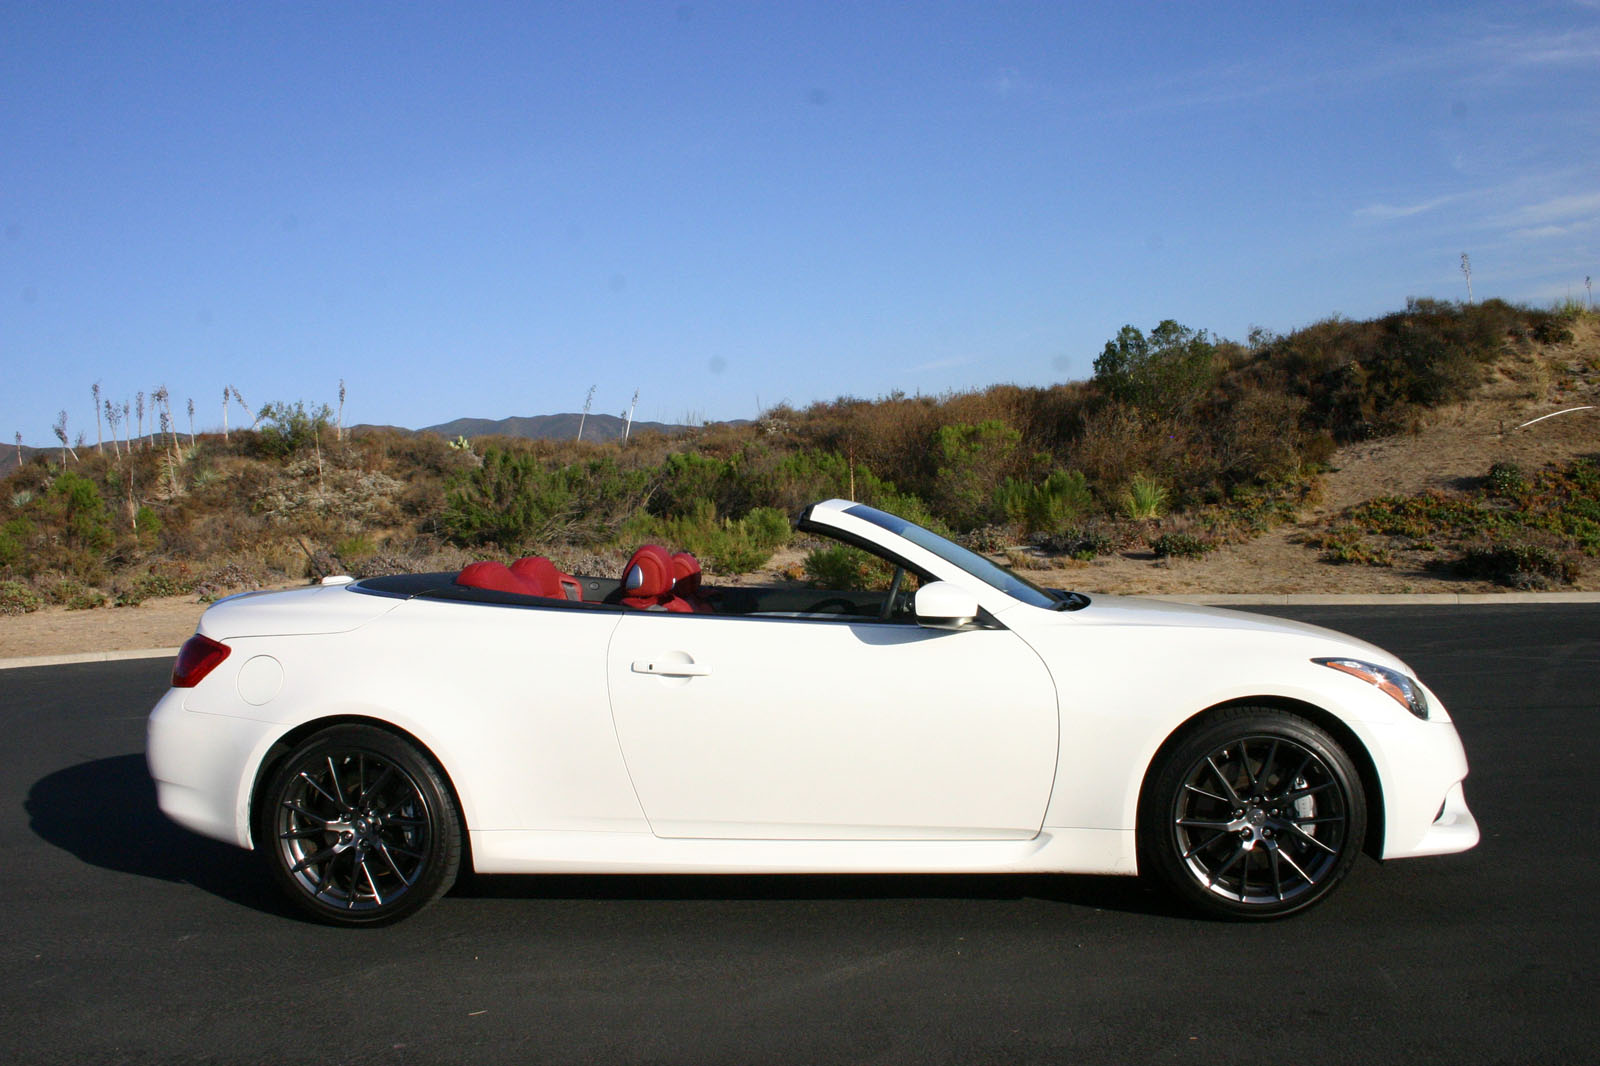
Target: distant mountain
[[8, 457], [547, 427]]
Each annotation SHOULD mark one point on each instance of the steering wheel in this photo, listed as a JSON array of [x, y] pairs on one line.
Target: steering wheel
[[890, 607]]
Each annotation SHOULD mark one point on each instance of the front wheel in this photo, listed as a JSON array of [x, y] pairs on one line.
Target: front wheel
[[359, 827], [1257, 814]]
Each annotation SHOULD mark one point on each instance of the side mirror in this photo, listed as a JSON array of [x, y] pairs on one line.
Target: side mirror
[[941, 605]]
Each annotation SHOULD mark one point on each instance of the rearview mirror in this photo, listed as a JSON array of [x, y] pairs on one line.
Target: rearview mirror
[[941, 605]]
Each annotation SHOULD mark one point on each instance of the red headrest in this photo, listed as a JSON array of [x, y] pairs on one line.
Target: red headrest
[[492, 575], [648, 575], [686, 574]]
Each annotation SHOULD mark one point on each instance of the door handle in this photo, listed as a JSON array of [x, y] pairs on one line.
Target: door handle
[[670, 669]]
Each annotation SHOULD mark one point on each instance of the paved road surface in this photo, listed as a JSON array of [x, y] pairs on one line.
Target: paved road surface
[[126, 939]]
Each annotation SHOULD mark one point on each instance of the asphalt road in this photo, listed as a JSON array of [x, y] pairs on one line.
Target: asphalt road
[[126, 939]]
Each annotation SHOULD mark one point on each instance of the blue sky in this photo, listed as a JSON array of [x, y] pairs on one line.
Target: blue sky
[[484, 209]]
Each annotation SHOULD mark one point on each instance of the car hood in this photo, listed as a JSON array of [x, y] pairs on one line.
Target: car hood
[[1139, 612], [307, 611]]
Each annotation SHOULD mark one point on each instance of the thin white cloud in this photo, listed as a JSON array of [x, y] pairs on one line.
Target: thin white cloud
[[1557, 211], [1389, 212]]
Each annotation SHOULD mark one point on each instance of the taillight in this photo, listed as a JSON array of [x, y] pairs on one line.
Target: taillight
[[197, 658]]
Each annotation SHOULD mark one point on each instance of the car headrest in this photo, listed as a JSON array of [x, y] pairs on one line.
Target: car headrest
[[648, 574], [686, 574]]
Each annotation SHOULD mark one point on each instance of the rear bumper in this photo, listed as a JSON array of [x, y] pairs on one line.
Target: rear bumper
[[199, 762]]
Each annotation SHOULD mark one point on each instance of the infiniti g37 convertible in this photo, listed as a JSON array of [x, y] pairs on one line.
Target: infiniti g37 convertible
[[371, 737]]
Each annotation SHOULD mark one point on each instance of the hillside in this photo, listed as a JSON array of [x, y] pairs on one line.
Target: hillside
[[1387, 455]]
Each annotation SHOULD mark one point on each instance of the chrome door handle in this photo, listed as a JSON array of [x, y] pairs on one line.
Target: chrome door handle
[[670, 669]]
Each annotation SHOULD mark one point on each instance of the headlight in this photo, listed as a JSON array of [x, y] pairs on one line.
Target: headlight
[[1402, 689]]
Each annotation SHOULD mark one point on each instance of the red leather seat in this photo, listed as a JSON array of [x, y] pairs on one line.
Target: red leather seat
[[542, 574], [647, 581], [489, 574], [686, 581]]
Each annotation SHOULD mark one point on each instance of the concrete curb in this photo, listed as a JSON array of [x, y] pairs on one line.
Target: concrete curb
[[1419, 599], [88, 657], [1214, 599]]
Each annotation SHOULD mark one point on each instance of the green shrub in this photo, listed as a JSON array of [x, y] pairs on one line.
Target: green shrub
[[17, 598], [842, 566], [1519, 564], [1179, 546], [285, 429], [1082, 544], [1507, 480], [724, 546], [1146, 497], [971, 460], [1049, 505], [1166, 374]]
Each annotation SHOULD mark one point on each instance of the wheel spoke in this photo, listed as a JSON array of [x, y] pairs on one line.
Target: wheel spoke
[[1266, 765], [1238, 850], [325, 855], [330, 797], [338, 786], [368, 791], [1277, 871], [384, 850], [302, 812], [1302, 793], [1227, 786], [1303, 835], [1202, 792], [1290, 860], [1198, 823], [1244, 760], [371, 883], [1212, 839]]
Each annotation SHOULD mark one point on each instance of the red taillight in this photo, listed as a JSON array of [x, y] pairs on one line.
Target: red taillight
[[197, 658]]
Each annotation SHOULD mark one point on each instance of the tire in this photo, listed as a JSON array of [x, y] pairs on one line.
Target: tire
[[359, 827], [1256, 814]]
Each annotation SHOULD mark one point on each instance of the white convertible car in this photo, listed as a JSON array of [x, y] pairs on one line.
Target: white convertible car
[[372, 736]]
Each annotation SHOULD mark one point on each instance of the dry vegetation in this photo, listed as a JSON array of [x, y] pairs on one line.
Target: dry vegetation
[[1363, 444]]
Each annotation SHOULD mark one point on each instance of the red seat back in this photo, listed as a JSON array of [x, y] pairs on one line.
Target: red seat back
[[647, 581], [542, 574], [489, 574]]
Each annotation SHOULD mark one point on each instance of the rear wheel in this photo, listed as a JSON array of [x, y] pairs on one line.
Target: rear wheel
[[359, 827], [1256, 814]]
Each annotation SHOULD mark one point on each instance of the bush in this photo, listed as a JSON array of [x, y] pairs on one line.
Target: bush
[[1145, 498], [1519, 564], [844, 567], [1507, 480], [970, 461], [1048, 505], [1166, 374], [1179, 546], [17, 598], [1082, 544], [285, 430]]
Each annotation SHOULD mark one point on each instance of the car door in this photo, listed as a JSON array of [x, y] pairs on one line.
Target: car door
[[787, 728]]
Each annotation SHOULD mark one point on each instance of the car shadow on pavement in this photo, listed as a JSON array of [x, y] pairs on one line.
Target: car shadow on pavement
[[1121, 894], [104, 812]]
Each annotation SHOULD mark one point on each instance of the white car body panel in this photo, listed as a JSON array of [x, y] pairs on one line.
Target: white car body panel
[[856, 730], [574, 744]]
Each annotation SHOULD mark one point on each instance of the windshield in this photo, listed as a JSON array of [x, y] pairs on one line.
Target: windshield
[[973, 563]]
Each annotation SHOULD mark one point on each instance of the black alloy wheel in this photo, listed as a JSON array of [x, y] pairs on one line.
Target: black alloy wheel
[[359, 827], [1256, 814]]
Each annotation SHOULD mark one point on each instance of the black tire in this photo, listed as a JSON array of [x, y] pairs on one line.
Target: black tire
[[1255, 814], [359, 827]]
